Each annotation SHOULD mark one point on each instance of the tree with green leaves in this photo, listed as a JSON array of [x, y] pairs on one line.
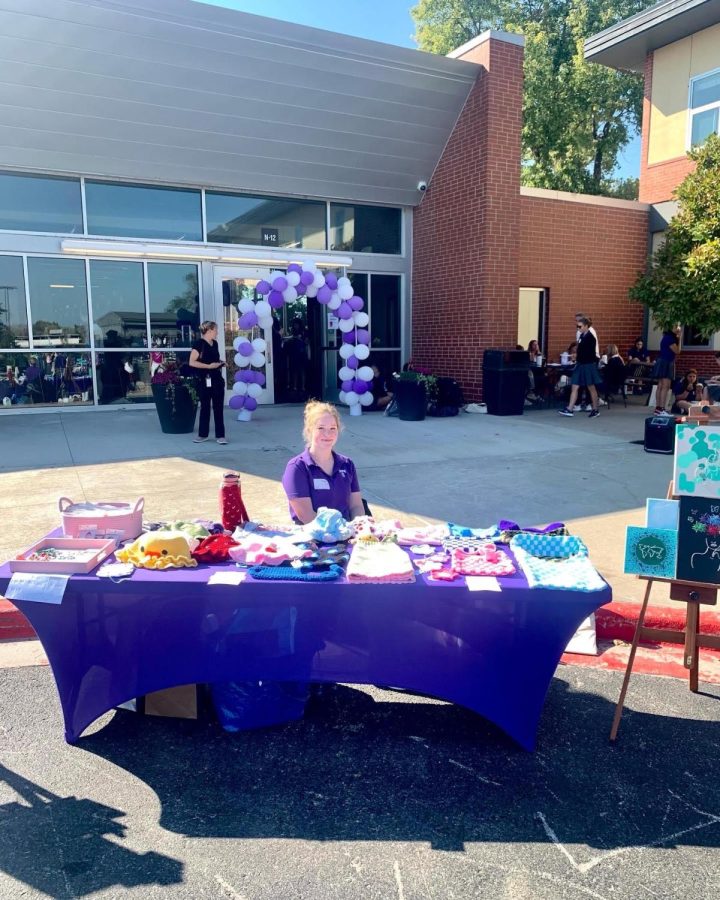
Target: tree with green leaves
[[577, 116], [683, 283]]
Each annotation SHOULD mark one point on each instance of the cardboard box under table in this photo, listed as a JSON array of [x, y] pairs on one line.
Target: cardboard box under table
[[493, 652]]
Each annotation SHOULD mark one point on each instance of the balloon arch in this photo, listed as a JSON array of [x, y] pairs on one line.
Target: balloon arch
[[335, 293]]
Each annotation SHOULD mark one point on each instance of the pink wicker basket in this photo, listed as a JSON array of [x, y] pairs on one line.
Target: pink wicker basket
[[122, 521]]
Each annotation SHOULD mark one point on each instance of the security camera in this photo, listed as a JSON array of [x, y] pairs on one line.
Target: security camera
[[422, 186]]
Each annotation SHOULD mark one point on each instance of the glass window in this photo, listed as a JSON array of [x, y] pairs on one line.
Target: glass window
[[126, 377], [13, 312], [693, 338], [45, 379], [134, 210], [264, 221], [58, 302], [385, 311], [34, 203], [388, 362], [706, 90], [118, 303], [704, 124], [174, 304], [364, 229]]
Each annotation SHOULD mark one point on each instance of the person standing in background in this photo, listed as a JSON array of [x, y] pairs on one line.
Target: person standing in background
[[585, 373], [664, 368], [205, 358]]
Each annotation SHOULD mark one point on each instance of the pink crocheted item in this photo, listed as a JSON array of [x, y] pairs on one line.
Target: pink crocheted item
[[427, 534], [488, 560], [253, 551]]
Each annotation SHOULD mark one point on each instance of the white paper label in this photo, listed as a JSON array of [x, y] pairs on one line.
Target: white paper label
[[482, 583], [37, 588], [229, 577]]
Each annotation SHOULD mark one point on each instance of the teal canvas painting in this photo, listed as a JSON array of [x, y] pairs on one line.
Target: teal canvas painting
[[662, 513], [651, 551], [697, 461]]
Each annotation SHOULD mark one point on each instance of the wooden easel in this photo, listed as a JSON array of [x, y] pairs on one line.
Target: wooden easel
[[693, 594]]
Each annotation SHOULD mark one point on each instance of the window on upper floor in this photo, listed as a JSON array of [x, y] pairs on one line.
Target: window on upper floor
[[704, 107]]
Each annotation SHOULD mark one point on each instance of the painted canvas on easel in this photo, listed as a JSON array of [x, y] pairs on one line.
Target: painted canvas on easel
[[699, 540], [651, 551], [697, 461]]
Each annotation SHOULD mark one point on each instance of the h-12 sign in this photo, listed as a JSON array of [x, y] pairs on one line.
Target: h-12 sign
[[269, 237]]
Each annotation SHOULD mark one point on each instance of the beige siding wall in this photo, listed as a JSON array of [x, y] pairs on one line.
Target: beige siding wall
[[673, 67]]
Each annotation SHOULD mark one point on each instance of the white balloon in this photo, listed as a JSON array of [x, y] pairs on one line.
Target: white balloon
[[289, 294], [275, 274], [259, 344], [341, 396], [366, 399], [362, 351], [242, 360], [365, 373], [361, 319], [319, 279], [293, 278], [346, 325], [237, 342], [312, 291], [246, 305], [266, 322], [345, 290], [309, 265], [346, 351], [258, 360], [335, 302], [254, 390], [240, 388], [263, 309], [346, 373], [343, 281], [351, 398]]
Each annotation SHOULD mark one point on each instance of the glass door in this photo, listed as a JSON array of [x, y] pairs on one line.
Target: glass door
[[233, 285]]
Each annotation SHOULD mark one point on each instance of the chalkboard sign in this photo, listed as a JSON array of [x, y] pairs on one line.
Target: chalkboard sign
[[699, 540]]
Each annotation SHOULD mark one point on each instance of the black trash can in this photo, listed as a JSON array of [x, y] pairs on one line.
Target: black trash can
[[505, 381]]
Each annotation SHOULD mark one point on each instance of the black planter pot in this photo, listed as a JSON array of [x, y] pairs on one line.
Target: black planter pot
[[182, 421], [411, 400]]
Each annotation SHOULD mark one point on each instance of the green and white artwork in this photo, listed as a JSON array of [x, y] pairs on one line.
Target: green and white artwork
[[651, 551], [697, 461]]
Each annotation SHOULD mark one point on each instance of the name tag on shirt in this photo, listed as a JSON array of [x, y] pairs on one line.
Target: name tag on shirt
[[321, 484]]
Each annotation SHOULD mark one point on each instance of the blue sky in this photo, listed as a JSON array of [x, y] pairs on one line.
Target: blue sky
[[379, 20]]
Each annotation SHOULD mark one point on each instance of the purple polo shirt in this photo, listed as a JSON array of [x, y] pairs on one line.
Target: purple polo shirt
[[303, 478]]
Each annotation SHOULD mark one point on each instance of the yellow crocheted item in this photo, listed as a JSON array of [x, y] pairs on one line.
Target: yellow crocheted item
[[159, 550]]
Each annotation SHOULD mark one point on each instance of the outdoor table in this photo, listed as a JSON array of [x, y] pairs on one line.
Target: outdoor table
[[492, 652]]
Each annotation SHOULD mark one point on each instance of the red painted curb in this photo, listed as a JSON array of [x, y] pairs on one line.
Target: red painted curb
[[13, 624], [617, 620]]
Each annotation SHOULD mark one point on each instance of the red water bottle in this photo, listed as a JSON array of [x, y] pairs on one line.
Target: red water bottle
[[232, 508]]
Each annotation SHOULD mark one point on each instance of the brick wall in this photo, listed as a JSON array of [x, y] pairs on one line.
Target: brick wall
[[586, 255], [659, 180], [465, 231]]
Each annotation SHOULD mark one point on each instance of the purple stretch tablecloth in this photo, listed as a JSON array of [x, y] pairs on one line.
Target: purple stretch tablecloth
[[494, 653]]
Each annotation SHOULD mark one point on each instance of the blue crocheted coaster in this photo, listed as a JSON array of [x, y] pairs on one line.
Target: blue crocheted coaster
[[280, 573]]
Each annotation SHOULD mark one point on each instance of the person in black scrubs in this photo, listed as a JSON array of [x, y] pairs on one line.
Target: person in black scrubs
[[205, 358]]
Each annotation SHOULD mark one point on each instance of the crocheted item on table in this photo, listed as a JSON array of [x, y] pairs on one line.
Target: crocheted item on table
[[556, 562], [460, 531], [469, 544], [328, 526], [488, 561], [508, 530], [281, 573], [379, 563], [254, 550], [424, 534], [215, 548]]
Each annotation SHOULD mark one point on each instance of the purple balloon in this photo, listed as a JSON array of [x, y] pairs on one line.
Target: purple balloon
[[238, 376], [250, 403], [237, 402], [363, 336], [348, 385], [359, 386], [353, 362], [247, 376], [344, 311], [294, 267], [356, 303], [248, 320], [300, 288], [348, 337], [260, 379], [263, 287], [276, 299], [245, 347], [307, 278], [331, 281], [280, 283], [324, 295]]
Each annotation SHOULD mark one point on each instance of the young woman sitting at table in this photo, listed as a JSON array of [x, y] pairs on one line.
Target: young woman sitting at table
[[687, 391], [319, 476]]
